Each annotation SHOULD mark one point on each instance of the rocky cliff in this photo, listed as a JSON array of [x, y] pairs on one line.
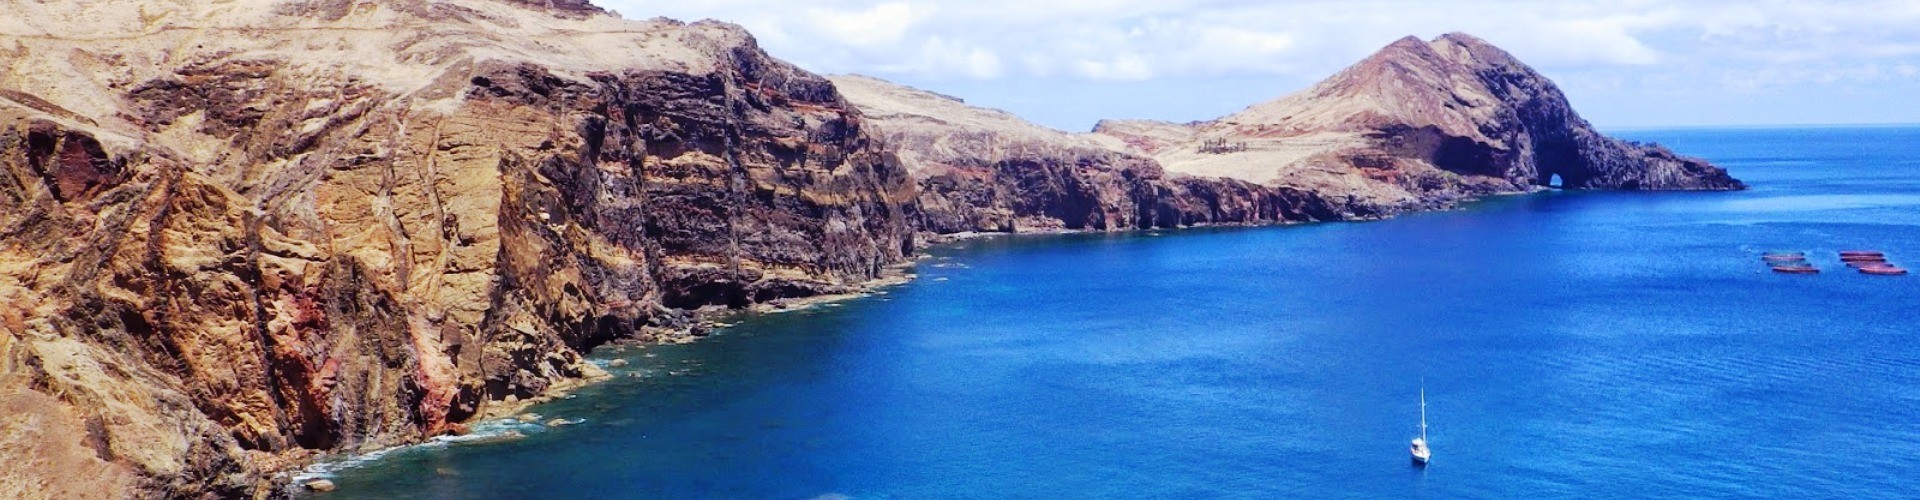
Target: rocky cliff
[[986, 170], [1419, 124], [234, 231]]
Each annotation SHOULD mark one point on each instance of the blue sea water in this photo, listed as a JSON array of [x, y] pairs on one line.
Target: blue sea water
[[1611, 345]]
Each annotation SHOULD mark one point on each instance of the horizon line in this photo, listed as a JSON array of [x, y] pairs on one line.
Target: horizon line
[[1759, 126]]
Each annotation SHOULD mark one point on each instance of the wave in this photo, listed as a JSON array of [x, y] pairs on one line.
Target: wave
[[490, 431]]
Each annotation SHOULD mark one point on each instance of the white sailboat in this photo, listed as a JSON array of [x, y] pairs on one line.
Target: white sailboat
[[1419, 449]]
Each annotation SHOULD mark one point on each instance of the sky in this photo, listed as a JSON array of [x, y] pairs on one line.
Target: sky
[[1623, 63]]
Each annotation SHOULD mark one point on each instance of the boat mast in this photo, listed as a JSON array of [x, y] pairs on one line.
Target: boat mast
[[1423, 412]]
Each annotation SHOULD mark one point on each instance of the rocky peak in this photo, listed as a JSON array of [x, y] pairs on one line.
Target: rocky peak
[[1472, 50], [1448, 118], [1408, 82]]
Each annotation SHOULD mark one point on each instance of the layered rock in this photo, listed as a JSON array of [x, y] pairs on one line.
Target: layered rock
[[234, 231], [1418, 125], [986, 170]]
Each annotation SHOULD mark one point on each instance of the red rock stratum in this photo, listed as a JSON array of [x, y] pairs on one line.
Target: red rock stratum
[[234, 233]]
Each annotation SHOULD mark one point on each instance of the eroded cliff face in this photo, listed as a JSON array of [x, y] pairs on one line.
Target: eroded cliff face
[[983, 170], [1418, 125], [231, 233]]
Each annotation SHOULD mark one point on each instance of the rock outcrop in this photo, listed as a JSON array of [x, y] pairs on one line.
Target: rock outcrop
[[232, 232], [1418, 125], [984, 170]]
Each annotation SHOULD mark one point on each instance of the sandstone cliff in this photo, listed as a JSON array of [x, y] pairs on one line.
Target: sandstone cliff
[[231, 231], [1417, 125]]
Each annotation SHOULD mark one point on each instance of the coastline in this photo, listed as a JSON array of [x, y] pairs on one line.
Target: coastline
[[508, 415], [312, 465], [341, 277], [508, 419]]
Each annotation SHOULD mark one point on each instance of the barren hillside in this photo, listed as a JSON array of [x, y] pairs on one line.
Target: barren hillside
[[236, 232], [1418, 121]]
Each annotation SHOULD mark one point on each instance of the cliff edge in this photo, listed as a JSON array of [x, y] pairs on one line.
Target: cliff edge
[[1418, 124], [236, 232], [985, 170]]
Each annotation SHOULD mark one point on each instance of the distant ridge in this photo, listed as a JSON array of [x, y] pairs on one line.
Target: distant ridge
[[1451, 117], [1417, 125]]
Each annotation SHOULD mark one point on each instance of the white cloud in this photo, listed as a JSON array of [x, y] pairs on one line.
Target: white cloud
[[942, 57], [1118, 67], [879, 24], [1137, 39], [1614, 46]]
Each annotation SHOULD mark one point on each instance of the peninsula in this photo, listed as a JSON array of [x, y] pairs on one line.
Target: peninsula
[[235, 234]]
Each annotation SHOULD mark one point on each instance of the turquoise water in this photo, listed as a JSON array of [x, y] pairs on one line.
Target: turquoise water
[[1572, 345]]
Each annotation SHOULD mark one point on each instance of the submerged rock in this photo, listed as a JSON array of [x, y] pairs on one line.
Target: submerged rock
[[320, 485], [501, 437]]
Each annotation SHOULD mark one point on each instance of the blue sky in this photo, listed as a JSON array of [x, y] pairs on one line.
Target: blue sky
[[1624, 63]]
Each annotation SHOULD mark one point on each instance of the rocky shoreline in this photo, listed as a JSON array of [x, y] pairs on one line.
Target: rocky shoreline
[[296, 472], [309, 471], [235, 235]]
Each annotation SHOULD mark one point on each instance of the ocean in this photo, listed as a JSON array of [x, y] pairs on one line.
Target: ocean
[[1570, 344]]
